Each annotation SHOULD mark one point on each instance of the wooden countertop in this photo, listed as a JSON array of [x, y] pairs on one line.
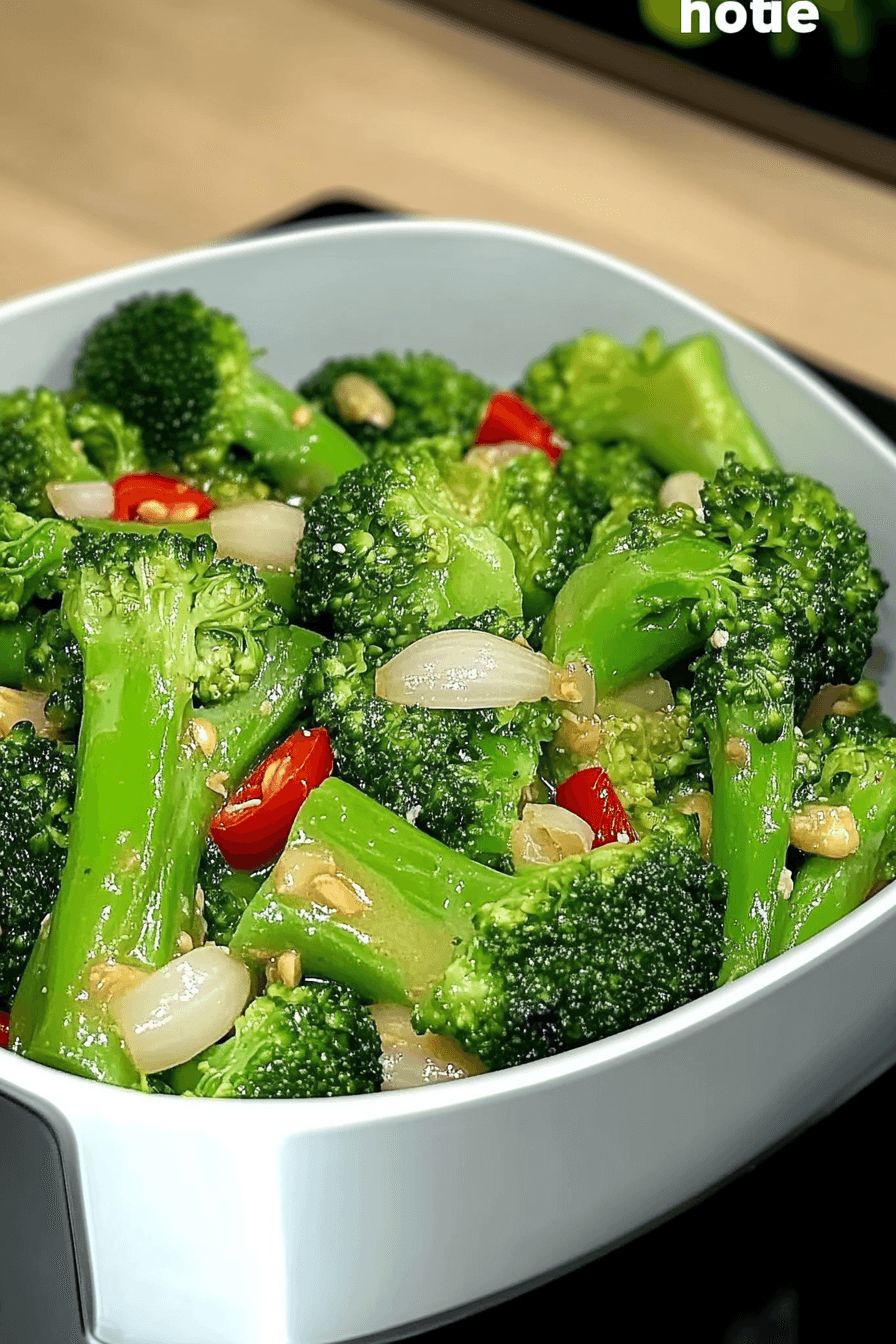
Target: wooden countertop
[[133, 127]]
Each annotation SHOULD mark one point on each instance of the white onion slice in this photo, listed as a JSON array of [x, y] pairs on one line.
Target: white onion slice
[[546, 834], [683, 488], [183, 1008], [652, 692], [410, 1060], [465, 669], [264, 533], [81, 499]]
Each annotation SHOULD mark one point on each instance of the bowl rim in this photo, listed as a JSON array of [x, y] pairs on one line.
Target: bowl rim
[[42, 1086]]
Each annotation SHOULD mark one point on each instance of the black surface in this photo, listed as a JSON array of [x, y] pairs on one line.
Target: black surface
[[35, 1240], [818, 74]]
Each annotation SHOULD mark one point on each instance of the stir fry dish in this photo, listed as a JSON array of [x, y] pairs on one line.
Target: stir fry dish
[[404, 727]]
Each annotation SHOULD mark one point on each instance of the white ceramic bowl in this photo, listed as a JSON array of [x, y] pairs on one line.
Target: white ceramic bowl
[[228, 1222]]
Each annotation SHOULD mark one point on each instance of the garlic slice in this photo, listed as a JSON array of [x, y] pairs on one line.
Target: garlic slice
[[264, 533], [546, 834], [180, 1010], [468, 669], [81, 499]]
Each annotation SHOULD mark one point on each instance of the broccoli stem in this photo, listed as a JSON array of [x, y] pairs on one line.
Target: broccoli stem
[[827, 889], [300, 459], [15, 641], [139, 827], [631, 612], [421, 895], [752, 785]]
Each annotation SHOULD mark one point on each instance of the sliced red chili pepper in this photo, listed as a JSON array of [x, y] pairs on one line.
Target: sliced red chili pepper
[[4, 1029], [509, 419], [148, 497], [590, 794], [253, 826]]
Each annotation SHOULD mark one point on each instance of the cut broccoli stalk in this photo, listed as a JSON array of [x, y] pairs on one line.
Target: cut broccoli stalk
[[314, 1040], [417, 898], [859, 772], [676, 403], [512, 967], [629, 612], [752, 787], [154, 618], [183, 374]]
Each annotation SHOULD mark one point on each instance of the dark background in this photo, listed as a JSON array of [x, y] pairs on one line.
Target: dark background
[[856, 88]]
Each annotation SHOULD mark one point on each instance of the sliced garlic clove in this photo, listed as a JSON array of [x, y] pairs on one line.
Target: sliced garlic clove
[[546, 834]]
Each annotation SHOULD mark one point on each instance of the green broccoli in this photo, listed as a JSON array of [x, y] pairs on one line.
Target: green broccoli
[[32, 555], [37, 783], [182, 373], [458, 774], [512, 967], [646, 752], [36, 448], [153, 616], [114, 447], [777, 584], [226, 892], [546, 514], [676, 403], [316, 1040], [38, 653], [389, 556], [857, 775], [424, 395]]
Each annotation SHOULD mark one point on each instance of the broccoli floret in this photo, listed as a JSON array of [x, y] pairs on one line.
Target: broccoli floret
[[646, 752], [428, 395], [457, 774], [150, 613], [37, 782], [37, 448], [315, 1040], [676, 403], [226, 892], [777, 585], [546, 515], [32, 556], [112, 446], [848, 763], [183, 374], [512, 967], [388, 556]]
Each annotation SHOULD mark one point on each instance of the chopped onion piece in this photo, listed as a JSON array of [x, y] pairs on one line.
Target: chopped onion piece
[[264, 533], [683, 488], [24, 707], [81, 499], [546, 834], [466, 669], [410, 1060], [652, 692], [183, 1008]]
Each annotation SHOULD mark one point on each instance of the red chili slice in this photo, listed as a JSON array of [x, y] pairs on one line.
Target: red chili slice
[[147, 497], [4, 1029], [253, 826], [590, 794], [509, 419]]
